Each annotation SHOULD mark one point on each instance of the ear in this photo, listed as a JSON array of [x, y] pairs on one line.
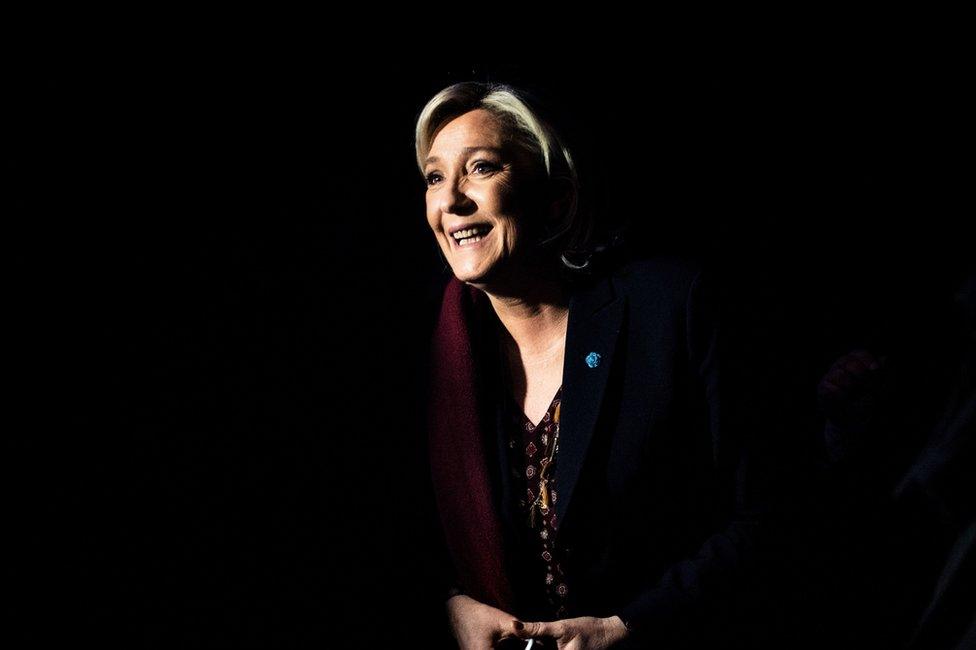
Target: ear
[[558, 197]]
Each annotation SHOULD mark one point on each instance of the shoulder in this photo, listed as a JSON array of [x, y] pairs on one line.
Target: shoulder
[[667, 279]]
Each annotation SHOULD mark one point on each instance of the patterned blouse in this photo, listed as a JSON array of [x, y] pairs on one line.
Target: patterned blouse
[[530, 447]]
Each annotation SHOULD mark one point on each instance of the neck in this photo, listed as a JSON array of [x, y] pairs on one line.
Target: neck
[[534, 318]]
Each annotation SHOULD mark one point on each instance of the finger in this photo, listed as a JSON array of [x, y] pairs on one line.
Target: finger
[[871, 361], [827, 390], [534, 629], [861, 353], [509, 630], [856, 362], [841, 378], [859, 366]]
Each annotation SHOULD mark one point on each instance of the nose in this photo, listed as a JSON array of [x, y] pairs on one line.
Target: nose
[[455, 200]]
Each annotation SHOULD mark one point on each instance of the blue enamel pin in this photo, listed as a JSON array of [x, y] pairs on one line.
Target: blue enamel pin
[[593, 359]]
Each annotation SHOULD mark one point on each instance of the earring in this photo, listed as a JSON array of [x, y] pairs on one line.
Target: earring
[[570, 264]]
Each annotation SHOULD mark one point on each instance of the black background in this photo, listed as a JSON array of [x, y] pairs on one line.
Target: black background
[[222, 281]]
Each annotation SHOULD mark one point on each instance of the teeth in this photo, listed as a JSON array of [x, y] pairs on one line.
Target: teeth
[[470, 232], [465, 242]]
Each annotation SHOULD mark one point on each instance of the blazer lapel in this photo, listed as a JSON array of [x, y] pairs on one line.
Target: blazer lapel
[[595, 318], [596, 314]]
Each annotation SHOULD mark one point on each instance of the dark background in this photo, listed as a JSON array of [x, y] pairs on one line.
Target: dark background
[[222, 286]]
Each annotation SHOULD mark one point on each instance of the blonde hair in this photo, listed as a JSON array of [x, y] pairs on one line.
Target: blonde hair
[[520, 113]]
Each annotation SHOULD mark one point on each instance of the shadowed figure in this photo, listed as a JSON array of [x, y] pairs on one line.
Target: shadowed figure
[[905, 481]]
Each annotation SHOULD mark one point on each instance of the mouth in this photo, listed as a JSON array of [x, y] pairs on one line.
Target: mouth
[[470, 235]]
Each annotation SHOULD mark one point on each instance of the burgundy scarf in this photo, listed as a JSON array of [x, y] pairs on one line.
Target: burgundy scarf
[[457, 445]]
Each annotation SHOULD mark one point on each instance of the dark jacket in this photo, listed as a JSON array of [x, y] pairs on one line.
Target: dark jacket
[[656, 504]]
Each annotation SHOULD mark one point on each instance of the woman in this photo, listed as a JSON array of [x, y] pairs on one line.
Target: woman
[[588, 494]]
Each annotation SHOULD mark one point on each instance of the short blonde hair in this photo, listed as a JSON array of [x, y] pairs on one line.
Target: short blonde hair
[[521, 113]]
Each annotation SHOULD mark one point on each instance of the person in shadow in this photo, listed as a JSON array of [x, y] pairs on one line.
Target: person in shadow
[[901, 464]]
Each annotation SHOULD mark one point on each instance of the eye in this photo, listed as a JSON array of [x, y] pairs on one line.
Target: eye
[[485, 165], [432, 178]]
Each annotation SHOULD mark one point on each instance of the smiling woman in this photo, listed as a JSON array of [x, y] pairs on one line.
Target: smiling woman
[[492, 164], [549, 384]]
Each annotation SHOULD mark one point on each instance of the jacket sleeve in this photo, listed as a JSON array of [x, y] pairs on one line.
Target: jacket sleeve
[[697, 592]]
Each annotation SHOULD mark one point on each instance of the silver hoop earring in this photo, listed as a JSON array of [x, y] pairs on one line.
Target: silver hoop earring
[[578, 267]]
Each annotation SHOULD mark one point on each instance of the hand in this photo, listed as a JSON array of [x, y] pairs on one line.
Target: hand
[[846, 391], [477, 626], [848, 396], [582, 633]]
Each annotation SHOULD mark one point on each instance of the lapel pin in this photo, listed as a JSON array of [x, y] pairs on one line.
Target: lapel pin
[[593, 359]]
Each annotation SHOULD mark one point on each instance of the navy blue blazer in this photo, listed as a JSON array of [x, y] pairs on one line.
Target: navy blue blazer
[[656, 508]]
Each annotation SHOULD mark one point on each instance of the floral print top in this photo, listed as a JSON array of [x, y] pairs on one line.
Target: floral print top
[[530, 446]]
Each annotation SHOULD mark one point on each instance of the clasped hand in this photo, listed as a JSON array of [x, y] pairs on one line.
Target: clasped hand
[[477, 626]]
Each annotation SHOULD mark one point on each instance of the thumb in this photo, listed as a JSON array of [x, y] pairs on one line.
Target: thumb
[[530, 630]]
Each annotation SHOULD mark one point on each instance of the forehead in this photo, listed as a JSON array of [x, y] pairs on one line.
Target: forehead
[[474, 128]]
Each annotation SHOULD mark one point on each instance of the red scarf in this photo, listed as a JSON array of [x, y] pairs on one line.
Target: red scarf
[[457, 446]]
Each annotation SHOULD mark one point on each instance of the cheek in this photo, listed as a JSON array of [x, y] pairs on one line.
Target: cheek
[[504, 197], [432, 219], [520, 217]]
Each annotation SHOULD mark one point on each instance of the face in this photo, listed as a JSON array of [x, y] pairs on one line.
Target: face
[[485, 188]]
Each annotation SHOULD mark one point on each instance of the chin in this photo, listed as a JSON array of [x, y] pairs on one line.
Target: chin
[[470, 278], [472, 274]]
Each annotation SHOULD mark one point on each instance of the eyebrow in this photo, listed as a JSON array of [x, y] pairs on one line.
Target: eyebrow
[[466, 150]]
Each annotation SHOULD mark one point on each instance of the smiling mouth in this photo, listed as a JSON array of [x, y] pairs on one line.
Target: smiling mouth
[[469, 236]]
